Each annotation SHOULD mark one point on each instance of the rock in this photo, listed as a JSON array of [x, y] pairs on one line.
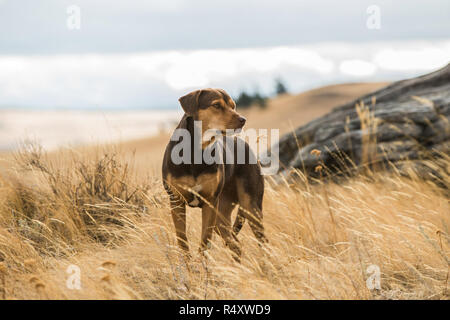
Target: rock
[[438, 131], [425, 170], [407, 120]]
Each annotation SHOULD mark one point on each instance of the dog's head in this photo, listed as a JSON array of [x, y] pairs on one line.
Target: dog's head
[[214, 107]]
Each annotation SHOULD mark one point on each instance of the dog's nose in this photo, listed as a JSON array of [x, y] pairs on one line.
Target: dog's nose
[[242, 120]]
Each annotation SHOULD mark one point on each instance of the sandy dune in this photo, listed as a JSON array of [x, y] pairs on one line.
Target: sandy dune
[[290, 111], [56, 128]]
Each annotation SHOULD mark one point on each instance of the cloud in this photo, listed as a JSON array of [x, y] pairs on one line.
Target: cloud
[[157, 79], [413, 59], [201, 67], [358, 68]]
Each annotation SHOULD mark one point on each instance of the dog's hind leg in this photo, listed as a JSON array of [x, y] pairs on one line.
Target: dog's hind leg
[[254, 218], [250, 208], [223, 224], [238, 223]]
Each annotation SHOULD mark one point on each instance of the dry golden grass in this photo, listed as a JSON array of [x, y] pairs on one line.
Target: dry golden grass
[[103, 209], [93, 210]]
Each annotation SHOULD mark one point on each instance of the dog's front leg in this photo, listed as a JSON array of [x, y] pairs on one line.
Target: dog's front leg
[[178, 209], [208, 224]]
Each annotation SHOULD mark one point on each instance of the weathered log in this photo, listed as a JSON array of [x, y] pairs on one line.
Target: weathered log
[[407, 120]]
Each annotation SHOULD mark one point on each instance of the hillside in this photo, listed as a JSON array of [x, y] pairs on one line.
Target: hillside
[[290, 111]]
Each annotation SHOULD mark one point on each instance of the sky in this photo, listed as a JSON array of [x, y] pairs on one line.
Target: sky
[[136, 54]]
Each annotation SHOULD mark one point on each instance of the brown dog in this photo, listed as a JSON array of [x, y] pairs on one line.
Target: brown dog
[[215, 187]]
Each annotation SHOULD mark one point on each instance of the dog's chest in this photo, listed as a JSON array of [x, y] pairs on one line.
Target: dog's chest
[[194, 189]]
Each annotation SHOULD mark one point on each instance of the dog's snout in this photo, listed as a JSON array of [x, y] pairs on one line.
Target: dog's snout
[[242, 120]]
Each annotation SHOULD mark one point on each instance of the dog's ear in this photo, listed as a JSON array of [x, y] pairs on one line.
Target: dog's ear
[[189, 102]]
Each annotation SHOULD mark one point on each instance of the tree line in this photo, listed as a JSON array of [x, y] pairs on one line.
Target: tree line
[[245, 99]]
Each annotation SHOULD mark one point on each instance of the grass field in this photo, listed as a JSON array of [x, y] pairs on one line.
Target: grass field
[[102, 212]]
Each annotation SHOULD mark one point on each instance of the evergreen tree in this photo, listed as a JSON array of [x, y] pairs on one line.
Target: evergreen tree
[[280, 88]]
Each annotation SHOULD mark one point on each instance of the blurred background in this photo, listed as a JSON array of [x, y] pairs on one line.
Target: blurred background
[[86, 71]]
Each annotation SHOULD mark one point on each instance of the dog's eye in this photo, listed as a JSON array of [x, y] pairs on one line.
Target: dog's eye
[[217, 106]]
